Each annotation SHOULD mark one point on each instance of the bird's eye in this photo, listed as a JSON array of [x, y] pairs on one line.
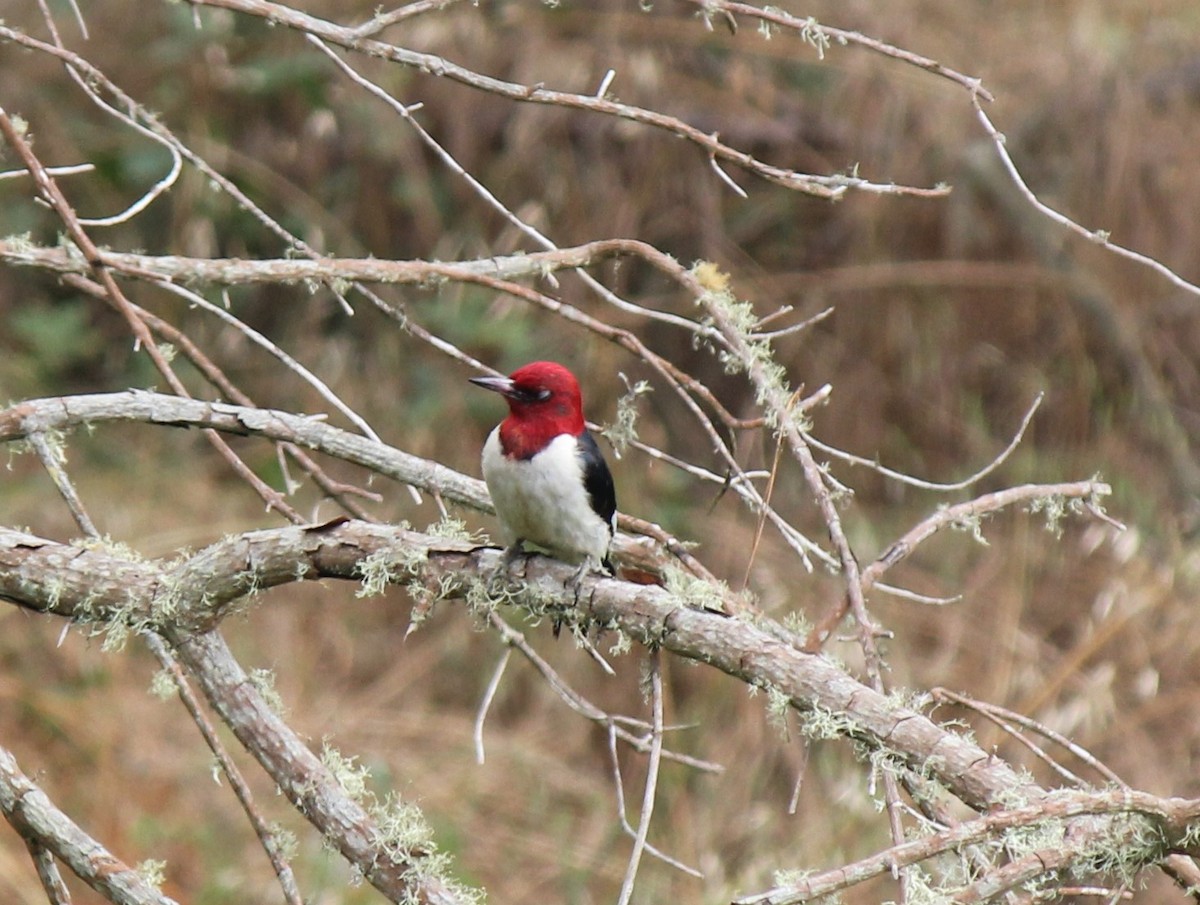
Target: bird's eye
[[543, 394]]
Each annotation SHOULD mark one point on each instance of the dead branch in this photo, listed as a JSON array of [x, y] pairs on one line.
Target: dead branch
[[40, 575], [35, 817]]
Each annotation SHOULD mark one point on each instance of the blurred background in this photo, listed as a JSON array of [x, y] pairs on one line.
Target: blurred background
[[951, 315]]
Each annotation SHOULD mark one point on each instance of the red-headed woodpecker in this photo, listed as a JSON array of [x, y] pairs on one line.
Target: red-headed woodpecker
[[549, 482]]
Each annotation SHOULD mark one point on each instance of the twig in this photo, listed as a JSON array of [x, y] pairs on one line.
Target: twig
[[829, 187], [934, 485], [794, 328], [49, 191], [71, 170], [283, 357], [48, 873], [794, 801], [655, 759], [1098, 236], [53, 461], [581, 705], [947, 516], [821, 36], [972, 510], [623, 816], [906, 594], [488, 197], [383, 20], [998, 713], [485, 705]]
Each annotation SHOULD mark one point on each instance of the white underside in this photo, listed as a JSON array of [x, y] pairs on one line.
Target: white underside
[[542, 500]]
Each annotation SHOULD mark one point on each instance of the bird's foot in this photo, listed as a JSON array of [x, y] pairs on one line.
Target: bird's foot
[[588, 566], [503, 576]]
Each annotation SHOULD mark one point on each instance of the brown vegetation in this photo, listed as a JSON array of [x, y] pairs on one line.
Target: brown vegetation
[[952, 314]]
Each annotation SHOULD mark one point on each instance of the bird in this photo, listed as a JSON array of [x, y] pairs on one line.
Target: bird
[[548, 479]]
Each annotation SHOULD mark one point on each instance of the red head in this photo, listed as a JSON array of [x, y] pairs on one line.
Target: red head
[[543, 402]]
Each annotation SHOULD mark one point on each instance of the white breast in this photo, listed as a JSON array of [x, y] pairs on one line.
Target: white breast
[[542, 500]]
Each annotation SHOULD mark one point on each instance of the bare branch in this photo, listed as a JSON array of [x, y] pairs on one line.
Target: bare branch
[[823, 36], [33, 815], [266, 838], [1098, 236], [48, 873], [1171, 814], [821, 186], [394, 868]]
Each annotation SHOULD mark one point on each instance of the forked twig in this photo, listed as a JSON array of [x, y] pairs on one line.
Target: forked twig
[[1096, 236], [1002, 716]]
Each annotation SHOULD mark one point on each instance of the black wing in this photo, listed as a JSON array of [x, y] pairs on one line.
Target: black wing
[[597, 479]]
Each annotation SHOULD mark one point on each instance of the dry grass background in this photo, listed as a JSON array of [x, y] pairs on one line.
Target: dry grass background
[[951, 315]]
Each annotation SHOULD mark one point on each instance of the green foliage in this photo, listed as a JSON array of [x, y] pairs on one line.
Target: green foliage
[[49, 344]]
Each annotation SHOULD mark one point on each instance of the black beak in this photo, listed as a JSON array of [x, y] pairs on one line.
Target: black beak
[[501, 385]]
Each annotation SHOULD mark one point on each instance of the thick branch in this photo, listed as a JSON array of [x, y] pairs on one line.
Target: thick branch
[[203, 585], [834, 701], [310, 431]]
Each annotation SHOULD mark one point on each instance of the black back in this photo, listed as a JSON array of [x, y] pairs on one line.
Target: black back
[[597, 480]]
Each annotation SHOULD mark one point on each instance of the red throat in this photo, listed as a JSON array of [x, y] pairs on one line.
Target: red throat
[[546, 405], [525, 434]]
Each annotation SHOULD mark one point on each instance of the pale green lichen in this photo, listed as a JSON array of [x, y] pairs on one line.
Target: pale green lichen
[[779, 704], [693, 591], [400, 833], [622, 645], [921, 888], [797, 623], [819, 724], [263, 681], [812, 34], [378, 570], [623, 429], [483, 596], [1055, 509], [20, 243], [162, 685], [790, 876], [400, 828], [972, 524], [114, 548], [908, 699], [352, 776], [283, 841], [1191, 836], [746, 351], [451, 528], [1131, 841], [152, 871]]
